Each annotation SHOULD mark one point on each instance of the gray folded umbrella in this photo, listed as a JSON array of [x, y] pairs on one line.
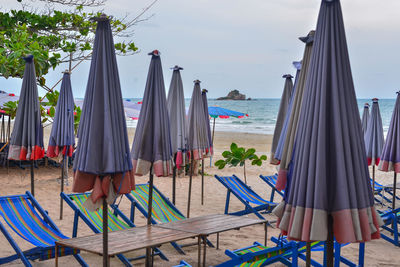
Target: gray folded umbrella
[[102, 159], [365, 118], [283, 108], [329, 194], [390, 157], [177, 119], [288, 138], [373, 138], [26, 141], [62, 137]]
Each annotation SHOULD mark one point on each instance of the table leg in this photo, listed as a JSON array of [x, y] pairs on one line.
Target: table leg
[[266, 233], [152, 257], [217, 240], [56, 254], [204, 252], [199, 251]]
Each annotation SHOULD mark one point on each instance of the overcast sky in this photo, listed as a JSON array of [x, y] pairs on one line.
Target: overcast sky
[[246, 45]]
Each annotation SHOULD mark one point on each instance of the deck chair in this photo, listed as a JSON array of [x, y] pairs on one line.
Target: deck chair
[[30, 221], [271, 181], [391, 219], [183, 264], [94, 219], [381, 190], [163, 210], [320, 246], [252, 201]]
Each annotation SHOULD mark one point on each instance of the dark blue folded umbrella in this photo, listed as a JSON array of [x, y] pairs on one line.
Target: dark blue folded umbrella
[[374, 135], [102, 159], [329, 193], [151, 148], [62, 137], [365, 118], [26, 141], [283, 108], [207, 120]]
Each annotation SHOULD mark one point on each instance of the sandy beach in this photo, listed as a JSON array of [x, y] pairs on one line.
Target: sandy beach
[[17, 181]]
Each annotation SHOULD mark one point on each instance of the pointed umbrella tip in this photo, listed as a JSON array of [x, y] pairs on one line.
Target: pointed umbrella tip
[[375, 100], [66, 72], [204, 91], [103, 17], [309, 38], [154, 53], [176, 67], [28, 58], [287, 76], [366, 105], [196, 81]]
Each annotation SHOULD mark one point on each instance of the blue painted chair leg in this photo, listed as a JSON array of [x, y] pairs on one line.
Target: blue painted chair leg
[[15, 246], [124, 260], [80, 260], [361, 255], [337, 254], [228, 195], [75, 227], [178, 248], [162, 255]]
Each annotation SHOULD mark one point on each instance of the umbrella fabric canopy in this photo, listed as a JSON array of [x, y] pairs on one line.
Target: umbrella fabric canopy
[[288, 139], [207, 120], [198, 139], [329, 189], [282, 137], [373, 138], [365, 118], [283, 108], [26, 141], [223, 113], [152, 142], [177, 117], [102, 159], [390, 157], [62, 138]]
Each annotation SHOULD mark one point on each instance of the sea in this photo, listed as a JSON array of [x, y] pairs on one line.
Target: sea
[[263, 113]]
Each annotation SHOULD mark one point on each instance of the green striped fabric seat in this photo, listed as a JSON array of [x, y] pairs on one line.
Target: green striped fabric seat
[[162, 211], [96, 217], [259, 260]]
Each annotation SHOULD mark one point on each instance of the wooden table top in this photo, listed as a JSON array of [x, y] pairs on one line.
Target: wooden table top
[[126, 240], [211, 224]]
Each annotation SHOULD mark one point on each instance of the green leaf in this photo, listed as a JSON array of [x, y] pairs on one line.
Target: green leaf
[[263, 157], [226, 154], [234, 147]]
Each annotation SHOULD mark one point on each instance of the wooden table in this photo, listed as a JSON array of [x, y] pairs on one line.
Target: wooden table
[[213, 224], [127, 240]]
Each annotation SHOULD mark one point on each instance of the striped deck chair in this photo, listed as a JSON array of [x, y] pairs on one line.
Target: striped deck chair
[[380, 190], [271, 181], [183, 264], [320, 246], [391, 219], [252, 201], [258, 255], [26, 218], [94, 219], [163, 210]]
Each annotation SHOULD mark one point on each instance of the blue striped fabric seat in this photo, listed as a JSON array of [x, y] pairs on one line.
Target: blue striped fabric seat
[[28, 220], [246, 195], [271, 181]]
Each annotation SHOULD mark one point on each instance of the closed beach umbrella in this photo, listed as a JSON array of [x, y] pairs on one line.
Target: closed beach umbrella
[[288, 140], [177, 118], [151, 149], [102, 159], [373, 138], [281, 141], [390, 157], [283, 108], [365, 118], [26, 141], [198, 143], [210, 141], [62, 138], [329, 194]]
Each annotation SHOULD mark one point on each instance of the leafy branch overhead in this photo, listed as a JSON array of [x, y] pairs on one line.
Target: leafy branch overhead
[[51, 36], [238, 156]]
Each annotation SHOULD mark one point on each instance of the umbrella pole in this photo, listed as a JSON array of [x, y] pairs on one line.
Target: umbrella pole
[[212, 140], [329, 243], [149, 212], [394, 191], [174, 181], [202, 181], [373, 179], [32, 179], [308, 254], [106, 259], [190, 184], [65, 160]]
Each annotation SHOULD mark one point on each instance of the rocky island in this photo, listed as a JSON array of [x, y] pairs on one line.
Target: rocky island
[[233, 95]]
